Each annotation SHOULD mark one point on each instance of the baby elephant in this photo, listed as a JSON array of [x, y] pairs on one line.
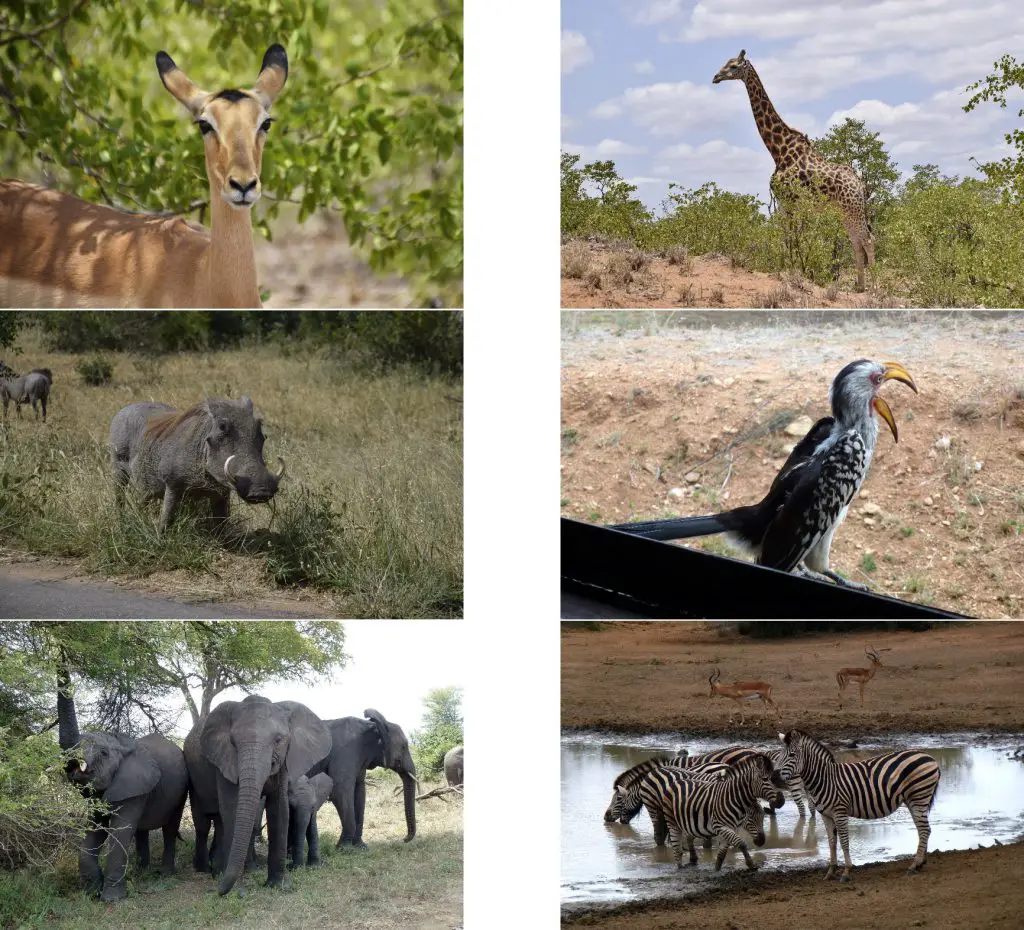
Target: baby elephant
[[33, 388], [206, 451], [305, 797]]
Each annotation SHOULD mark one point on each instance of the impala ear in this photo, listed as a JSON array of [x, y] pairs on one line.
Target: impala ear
[[177, 82], [273, 74]]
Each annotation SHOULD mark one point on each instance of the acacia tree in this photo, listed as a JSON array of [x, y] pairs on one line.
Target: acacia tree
[[370, 124], [139, 669], [1007, 76], [441, 730], [853, 144]]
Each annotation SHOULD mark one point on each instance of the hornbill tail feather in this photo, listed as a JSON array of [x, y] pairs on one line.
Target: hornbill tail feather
[[680, 528]]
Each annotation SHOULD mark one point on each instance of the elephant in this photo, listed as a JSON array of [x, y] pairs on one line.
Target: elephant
[[144, 781], [254, 747], [305, 797], [358, 744], [454, 771]]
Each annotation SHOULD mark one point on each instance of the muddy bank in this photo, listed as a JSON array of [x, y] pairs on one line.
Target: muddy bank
[[974, 888], [653, 677]]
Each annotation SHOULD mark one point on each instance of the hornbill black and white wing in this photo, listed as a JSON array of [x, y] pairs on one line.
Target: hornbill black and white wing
[[792, 527]]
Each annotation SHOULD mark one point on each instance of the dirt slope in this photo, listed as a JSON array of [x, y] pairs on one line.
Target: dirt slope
[[653, 677], [599, 275], [662, 419]]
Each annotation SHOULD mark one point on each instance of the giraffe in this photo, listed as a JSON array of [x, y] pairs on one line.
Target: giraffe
[[797, 162]]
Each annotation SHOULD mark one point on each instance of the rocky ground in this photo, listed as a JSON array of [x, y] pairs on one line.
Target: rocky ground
[[689, 413]]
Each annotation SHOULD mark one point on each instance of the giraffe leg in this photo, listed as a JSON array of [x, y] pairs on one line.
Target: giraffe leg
[[857, 229]]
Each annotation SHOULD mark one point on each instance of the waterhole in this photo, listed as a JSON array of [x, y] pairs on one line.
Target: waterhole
[[980, 800]]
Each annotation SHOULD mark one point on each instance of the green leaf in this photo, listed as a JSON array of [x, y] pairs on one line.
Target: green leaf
[[384, 149]]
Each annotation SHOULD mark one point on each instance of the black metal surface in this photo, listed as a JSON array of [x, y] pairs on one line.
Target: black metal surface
[[643, 577]]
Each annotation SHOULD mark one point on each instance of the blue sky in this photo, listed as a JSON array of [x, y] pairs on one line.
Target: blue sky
[[636, 82]]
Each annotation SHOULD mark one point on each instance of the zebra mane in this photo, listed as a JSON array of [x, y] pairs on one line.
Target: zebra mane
[[739, 769], [815, 744], [627, 778]]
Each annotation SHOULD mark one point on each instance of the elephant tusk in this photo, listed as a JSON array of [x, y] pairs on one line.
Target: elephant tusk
[[227, 469], [280, 472]]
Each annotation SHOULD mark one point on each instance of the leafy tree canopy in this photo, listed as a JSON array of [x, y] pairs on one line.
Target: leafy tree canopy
[[1006, 78], [852, 143], [139, 669], [441, 730], [370, 123]]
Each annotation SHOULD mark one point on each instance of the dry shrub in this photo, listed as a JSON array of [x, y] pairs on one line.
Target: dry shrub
[[967, 411], [575, 260], [619, 270], [777, 297], [679, 255]]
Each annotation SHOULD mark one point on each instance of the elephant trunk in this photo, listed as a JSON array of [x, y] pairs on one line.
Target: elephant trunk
[[409, 794], [67, 719], [251, 778]]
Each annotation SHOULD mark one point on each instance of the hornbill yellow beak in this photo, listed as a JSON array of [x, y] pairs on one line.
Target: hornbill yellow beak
[[894, 371]]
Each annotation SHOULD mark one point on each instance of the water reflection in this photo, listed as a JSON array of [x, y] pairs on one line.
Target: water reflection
[[980, 799]]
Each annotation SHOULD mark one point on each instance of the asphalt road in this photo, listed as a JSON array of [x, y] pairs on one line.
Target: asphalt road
[[31, 598]]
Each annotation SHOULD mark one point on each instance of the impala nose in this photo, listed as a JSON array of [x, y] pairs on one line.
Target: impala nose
[[245, 191]]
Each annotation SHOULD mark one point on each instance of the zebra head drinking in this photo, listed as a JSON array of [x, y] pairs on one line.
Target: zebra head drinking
[[865, 790], [796, 790], [719, 806]]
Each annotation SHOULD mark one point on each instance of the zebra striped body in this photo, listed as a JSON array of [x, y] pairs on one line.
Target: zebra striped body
[[625, 806], [649, 789], [718, 806], [865, 790], [797, 790]]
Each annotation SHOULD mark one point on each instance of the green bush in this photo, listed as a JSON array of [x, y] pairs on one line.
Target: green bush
[[41, 815], [956, 243], [95, 371], [707, 219]]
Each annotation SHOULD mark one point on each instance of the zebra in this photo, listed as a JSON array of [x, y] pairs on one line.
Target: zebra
[[646, 785], [7, 372], [866, 790], [716, 806], [33, 388], [624, 807], [797, 790]]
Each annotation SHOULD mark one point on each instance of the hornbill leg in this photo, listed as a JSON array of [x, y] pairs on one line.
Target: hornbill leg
[[840, 580]]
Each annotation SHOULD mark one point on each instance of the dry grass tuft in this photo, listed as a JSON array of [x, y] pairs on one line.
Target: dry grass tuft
[[575, 260]]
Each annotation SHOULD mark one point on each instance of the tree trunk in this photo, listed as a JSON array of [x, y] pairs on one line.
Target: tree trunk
[[66, 717], [409, 793], [250, 786]]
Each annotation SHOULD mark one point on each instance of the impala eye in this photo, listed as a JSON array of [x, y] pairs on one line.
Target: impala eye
[[265, 125], [204, 126]]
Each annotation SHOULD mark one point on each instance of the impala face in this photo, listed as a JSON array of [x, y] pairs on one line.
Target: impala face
[[234, 124]]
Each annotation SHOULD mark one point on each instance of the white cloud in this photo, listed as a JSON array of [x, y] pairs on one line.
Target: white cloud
[[673, 109], [576, 52], [652, 12], [644, 67], [605, 149], [932, 130]]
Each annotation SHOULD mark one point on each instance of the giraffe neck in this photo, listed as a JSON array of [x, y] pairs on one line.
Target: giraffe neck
[[780, 139]]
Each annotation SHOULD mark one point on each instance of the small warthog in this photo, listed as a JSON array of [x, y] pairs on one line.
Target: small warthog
[[33, 388], [205, 451]]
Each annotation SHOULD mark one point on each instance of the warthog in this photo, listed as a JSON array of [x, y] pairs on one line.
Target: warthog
[[33, 388], [206, 451]]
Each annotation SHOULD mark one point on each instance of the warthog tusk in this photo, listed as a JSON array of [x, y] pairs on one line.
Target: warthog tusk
[[280, 472], [227, 468]]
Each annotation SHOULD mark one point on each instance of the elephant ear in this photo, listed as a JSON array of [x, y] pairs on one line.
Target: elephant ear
[[215, 740], [310, 740], [138, 773], [383, 735]]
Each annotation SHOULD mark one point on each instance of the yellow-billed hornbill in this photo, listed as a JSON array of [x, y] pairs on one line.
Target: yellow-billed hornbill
[[792, 528]]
